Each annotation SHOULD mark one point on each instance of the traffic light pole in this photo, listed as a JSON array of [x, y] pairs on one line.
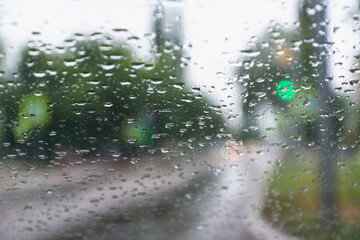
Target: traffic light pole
[[326, 132]]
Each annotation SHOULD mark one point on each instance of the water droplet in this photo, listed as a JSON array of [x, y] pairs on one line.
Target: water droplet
[[169, 125], [156, 81], [107, 67], [108, 104]]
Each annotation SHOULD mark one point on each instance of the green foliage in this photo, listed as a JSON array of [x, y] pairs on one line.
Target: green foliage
[[286, 55], [97, 92], [292, 200]]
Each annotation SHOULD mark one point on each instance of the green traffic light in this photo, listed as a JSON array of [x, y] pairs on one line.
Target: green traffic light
[[285, 90]]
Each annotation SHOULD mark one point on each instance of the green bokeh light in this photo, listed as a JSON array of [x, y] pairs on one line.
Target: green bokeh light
[[138, 131], [33, 113], [285, 90]]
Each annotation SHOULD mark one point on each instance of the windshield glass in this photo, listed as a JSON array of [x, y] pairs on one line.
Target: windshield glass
[[179, 119]]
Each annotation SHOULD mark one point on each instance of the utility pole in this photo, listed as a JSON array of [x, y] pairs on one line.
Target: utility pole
[[316, 13], [158, 15], [167, 24]]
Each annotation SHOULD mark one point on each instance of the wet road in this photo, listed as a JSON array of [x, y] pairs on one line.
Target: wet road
[[155, 197]]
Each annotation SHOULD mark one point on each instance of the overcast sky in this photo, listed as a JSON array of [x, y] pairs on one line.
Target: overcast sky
[[216, 29]]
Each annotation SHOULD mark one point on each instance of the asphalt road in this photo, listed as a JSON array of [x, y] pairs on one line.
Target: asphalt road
[[160, 196]]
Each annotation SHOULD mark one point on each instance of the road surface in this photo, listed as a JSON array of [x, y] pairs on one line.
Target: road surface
[[160, 196]]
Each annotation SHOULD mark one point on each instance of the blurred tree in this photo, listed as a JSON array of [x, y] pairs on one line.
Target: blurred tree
[[97, 93], [268, 62], [4, 84], [185, 111], [285, 54], [313, 116]]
